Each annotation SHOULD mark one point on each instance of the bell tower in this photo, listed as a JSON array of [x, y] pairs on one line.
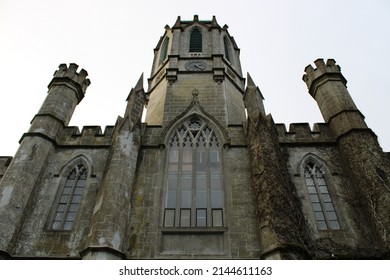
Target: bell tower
[[196, 55]]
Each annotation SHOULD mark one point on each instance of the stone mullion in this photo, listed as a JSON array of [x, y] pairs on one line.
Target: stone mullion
[[66, 211], [319, 194]]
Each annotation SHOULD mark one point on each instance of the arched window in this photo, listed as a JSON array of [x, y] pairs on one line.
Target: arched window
[[226, 47], [66, 208], [196, 40], [321, 201], [194, 196], [164, 50]]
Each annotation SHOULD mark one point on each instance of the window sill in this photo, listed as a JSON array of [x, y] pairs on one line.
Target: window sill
[[193, 230]]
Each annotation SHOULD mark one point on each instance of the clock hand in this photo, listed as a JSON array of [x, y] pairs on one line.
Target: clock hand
[[198, 66]]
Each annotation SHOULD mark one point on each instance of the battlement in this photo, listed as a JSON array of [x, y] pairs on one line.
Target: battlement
[[89, 136], [71, 72], [330, 68], [301, 133]]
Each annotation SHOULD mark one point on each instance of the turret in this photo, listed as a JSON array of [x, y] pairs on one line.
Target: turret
[[66, 90], [328, 87], [363, 158], [25, 172]]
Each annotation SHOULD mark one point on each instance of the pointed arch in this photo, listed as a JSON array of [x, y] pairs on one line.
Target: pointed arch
[[73, 181], [315, 174], [195, 109], [194, 187], [196, 40]]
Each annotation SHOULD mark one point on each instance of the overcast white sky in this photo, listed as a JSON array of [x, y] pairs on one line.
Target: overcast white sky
[[114, 40]]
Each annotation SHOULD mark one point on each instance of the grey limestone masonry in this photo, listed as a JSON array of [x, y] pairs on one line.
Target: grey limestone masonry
[[266, 191]]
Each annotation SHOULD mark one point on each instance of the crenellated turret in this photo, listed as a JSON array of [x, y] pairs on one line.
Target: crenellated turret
[[66, 90], [25, 172], [330, 68], [363, 157], [328, 87], [65, 74]]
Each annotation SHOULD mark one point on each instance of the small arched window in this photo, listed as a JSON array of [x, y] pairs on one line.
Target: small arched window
[[194, 196], [227, 49], [321, 201], [164, 50], [196, 40], [69, 200]]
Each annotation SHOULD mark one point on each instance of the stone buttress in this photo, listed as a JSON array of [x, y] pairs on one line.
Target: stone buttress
[[107, 238], [282, 234]]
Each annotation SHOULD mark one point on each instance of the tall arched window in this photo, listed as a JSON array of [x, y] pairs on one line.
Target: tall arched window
[[226, 47], [196, 40], [194, 196], [164, 50], [68, 204], [321, 201]]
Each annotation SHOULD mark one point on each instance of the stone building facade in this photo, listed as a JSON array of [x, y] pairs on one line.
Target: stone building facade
[[208, 174]]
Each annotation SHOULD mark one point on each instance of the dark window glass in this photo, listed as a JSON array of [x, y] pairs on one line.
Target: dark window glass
[[226, 47], [320, 198], [70, 199], [164, 50], [196, 40]]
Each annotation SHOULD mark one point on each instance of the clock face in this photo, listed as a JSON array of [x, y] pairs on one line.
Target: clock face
[[196, 65]]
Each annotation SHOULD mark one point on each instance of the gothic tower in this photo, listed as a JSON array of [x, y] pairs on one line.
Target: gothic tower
[[199, 201], [207, 175]]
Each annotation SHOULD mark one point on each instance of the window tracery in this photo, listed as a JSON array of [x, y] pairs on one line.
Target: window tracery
[[321, 201], [194, 196], [69, 201]]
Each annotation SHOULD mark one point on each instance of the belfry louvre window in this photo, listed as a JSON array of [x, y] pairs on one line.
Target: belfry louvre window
[[70, 198], [196, 40], [321, 201], [194, 196], [164, 50], [226, 47]]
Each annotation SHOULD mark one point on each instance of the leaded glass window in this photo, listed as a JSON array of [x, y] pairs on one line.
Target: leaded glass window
[[321, 201], [194, 196], [70, 198], [196, 40]]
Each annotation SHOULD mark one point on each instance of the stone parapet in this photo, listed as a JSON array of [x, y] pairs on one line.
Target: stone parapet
[[301, 133], [313, 75], [89, 136], [70, 75]]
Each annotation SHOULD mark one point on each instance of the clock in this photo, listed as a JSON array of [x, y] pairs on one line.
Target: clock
[[196, 65]]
